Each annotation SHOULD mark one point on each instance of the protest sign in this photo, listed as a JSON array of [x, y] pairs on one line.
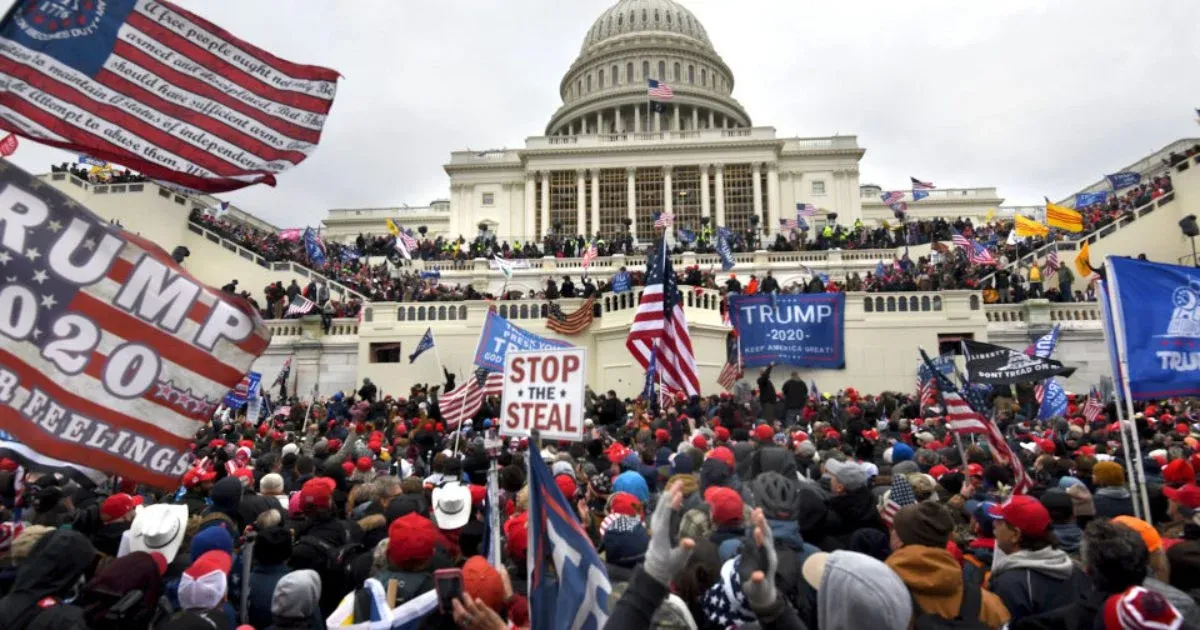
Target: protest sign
[[806, 330], [543, 390], [501, 336]]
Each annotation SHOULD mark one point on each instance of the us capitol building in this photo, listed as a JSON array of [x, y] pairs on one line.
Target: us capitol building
[[607, 158], [604, 165]]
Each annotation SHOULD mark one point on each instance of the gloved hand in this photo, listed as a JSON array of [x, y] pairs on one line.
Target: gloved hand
[[663, 562], [759, 563]]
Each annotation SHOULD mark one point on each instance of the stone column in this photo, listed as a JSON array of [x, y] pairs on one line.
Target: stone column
[[676, 126], [773, 211], [756, 187], [545, 204], [712, 119], [530, 205], [580, 201], [631, 199], [705, 201], [637, 118], [668, 194], [599, 122], [657, 121], [595, 201], [618, 121], [720, 191], [695, 119]]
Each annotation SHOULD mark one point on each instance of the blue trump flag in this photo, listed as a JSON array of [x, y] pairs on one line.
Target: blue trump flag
[[245, 390], [1156, 311], [919, 194], [314, 247], [1124, 179], [804, 330], [1054, 400], [426, 343], [499, 336], [621, 282], [1083, 200], [1110, 336], [686, 235], [725, 249], [576, 596]]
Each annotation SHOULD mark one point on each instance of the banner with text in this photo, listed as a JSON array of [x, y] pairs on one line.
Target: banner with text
[[501, 336], [805, 330], [110, 352], [543, 390], [996, 365]]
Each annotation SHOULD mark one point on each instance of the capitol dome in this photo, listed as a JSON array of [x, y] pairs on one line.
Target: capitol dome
[[632, 42]]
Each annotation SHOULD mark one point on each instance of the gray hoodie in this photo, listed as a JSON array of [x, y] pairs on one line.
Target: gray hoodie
[[296, 596], [1049, 561], [858, 591]]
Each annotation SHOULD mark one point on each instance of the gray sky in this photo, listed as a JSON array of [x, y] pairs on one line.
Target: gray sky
[[1035, 97]]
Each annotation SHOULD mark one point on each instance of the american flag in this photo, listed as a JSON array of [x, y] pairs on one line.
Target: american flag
[[805, 210], [892, 196], [899, 496], [159, 89], [960, 241], [1092, 409], [926, 388], [300, 306], [730, 374], [574, 323], [1052, 263], [408, 241], [659, 321], [284, 373], [920, 185], [789, 224], [732, 371], [962, 418], [664, 220], [162, 349], [659, 90], [464, 402], [979, 255], [589, 254]]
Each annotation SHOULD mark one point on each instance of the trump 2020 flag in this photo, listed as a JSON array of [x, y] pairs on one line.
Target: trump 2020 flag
[[156, 88], [1156, 309], [110, 353], [314, 247], [576, 596]]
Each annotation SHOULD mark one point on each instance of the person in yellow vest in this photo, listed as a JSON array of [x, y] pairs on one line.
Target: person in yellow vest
[[828, 231], [1035, 280]]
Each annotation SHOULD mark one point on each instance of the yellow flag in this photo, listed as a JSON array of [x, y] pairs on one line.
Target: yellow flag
[[1083, 261], [391, 227], [1063, 218], [991, 214], [1024, 226]]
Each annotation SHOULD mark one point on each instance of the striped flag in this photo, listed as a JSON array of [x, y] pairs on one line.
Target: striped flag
[[659, 90], [160, 348], [900, 495], [920, 185], [159, 89], [300, 306], [465, 401], [659, 326], [730, 374], [805, 210], [8, 145], [574, 323], [589, 254], [664, 220], [1052, 263], [960, 241], [979, 255], [1092, 409], [892, 196], [789, 224]]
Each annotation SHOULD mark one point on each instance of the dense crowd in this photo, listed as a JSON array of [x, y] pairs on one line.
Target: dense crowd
[[99, 175], [786, 508]]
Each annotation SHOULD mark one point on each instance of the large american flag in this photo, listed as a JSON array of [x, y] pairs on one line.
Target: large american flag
[[659, 90], [979, 255], [465, 401], [789, 224], [659, 321], [959, 240], [664, 220], [300, 306], [589, 254], [156, 88], [119, 352], [926, 385], [892, 196], [574, 323]]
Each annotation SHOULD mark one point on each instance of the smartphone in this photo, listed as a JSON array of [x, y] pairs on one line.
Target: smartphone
[[448, 584]]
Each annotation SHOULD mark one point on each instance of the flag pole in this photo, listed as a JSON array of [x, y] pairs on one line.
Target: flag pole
[[436, 354], [1134, 454]]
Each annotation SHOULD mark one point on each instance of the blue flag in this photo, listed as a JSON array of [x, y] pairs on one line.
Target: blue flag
[[1156, 311], [919, 194], [621, 282], [1054, 400], [348, 254], [1044, 346], [801, 223], [499, 336], [424, 344], [686, 235], [1083, 200], [576, 595], [1110, 336], [651, 377], [314, 247], [879, 270], [1124, 179], [724, 249]]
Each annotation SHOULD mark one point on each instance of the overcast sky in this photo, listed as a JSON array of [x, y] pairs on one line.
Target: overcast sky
[[1033, 97]]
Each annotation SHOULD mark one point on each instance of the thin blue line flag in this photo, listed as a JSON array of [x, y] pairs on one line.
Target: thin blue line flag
[[426, 343], [724, 250]]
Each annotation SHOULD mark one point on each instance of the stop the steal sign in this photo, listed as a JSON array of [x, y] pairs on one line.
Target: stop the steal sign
[[543, 390]]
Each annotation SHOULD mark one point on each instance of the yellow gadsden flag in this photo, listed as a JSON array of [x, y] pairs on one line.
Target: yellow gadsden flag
[[393, 228], [1024, 226], [1083, 261], [991, 214], [1063, 218]]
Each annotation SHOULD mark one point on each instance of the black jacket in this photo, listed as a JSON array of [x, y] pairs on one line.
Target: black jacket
[[766, 388], [1082, 614], [56, 563], [795, 394], [1028, 589], [636, 607], [851, 512], [769, 285]]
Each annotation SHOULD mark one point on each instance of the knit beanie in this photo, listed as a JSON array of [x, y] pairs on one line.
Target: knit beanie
[[924, 523], [1108, 474]]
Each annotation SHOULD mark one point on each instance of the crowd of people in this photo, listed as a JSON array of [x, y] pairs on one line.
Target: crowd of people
[[99, 174], [786, 508]]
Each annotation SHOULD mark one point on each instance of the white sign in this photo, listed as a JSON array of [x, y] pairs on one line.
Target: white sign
[[543, 390]]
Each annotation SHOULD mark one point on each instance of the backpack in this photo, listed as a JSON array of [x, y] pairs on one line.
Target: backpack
[[968, 612], [332, 560]]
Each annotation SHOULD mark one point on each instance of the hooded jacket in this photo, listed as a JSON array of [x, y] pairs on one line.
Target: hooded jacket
[[56, 564], [936, 583], [294, 604], [1112, 502], [1034, 582], [1069, 536], [851, 512], [856, 592]]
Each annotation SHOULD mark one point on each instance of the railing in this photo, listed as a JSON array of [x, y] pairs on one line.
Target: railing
[[340, 327], [437, 208], [907, 303], [282, 266], [951, 194], [1052, 312], [694, 135], [1149, 165]]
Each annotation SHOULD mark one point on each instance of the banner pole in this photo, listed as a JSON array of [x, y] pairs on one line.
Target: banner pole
[[1134, 454]]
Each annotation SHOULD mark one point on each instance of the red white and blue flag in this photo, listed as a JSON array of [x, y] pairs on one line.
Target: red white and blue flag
[[156, 88], [959, 240], [979, 255], [805, 210], [1052, 263], [892, 196], [921, 185], [660, 328], [659, 90], [112, 353]]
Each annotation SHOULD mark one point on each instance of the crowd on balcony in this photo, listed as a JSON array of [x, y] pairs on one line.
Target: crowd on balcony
[[99, 174]]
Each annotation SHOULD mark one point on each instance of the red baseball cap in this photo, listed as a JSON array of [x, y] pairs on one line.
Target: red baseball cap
[[700, 442], [722, 434], [1179, 471], [195, 477], [245, 473], [764, 433], [724, 454], [1023, 513], [937, 471], [662, 436], [1188, 496], [363, 464], [974, 470], [118, 505], [317, 493], [725, 505], [625, 503], [478, 494]]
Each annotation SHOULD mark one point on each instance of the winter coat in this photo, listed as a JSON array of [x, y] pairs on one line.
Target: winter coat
[[1112, 502], [57, 562], [851, 512], [263, 578], [1083, 614], [795, 394], [935, 580], [766, 388], [1033, 582]]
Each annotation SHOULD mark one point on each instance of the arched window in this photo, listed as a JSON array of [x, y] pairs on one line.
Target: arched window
[[578, 87], [677, 71], [662, 71], [645, 70], [691, 75], [644, 16], [668, 18], [600, 81], [616, 75], [867, 304], [441, 313], [462, 312], [621, 19], [400, 313], [589, 84], [629, 73], [656, 16], [703, 77]]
